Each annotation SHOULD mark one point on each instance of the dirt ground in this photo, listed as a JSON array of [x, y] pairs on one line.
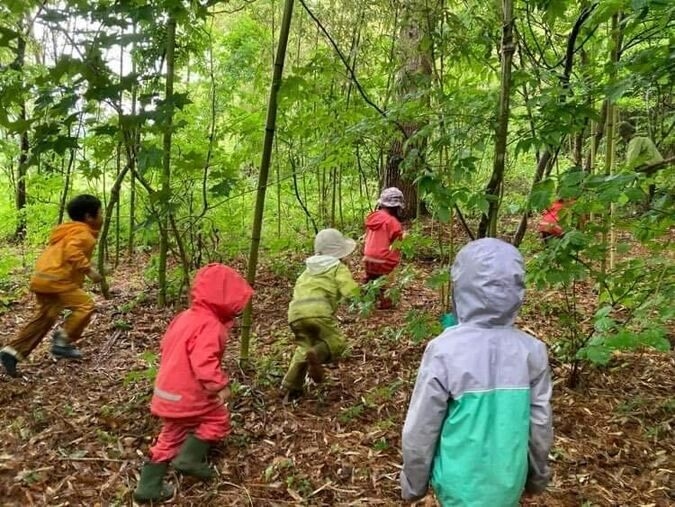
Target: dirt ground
[[75, 433]]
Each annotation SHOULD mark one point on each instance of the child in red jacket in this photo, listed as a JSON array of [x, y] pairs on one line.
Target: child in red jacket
[[549, 223], [383, 228], [191, 389]]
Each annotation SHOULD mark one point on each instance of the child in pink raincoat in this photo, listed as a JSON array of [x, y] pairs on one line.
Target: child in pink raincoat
[[383, 229], [191, 389]]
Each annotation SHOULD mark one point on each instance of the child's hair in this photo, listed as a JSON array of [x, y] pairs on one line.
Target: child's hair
[[394, 211], [82, 206]]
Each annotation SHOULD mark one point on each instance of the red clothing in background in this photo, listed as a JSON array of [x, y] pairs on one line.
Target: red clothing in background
[[549, 222], [382, 229]]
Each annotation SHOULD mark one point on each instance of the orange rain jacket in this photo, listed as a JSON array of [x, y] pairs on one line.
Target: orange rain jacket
[[63, 264]]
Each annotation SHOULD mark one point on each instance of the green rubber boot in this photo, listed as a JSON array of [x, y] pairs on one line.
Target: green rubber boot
[[192, 459], [151, 486]]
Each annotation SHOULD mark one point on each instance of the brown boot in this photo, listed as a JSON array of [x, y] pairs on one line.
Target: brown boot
[[384, 303], [315, 370]]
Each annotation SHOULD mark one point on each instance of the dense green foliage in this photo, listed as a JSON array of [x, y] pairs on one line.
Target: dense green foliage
[[82, 104]]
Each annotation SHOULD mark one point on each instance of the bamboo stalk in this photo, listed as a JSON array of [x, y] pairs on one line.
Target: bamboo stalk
[[268, 142]]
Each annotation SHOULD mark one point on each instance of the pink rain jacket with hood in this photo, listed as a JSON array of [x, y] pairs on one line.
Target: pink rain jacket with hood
[[190, 375], [382, 229]]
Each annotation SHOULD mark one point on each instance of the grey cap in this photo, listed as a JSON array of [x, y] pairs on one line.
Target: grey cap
[[391, 197]]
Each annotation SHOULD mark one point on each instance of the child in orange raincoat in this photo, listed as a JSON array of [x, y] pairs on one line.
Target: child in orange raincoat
[[57, 284], [191, 389]]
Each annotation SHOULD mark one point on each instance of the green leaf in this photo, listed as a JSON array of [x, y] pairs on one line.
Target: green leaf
[[7, 35], [443, 214], [542, 194], [222, 188], [438, 279], [597, 354]]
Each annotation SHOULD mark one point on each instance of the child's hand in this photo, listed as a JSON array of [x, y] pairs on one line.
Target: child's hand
[[94, 275], [224, 395]]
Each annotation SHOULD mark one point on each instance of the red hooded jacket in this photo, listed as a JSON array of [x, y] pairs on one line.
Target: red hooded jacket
[[190, 375], [382, 229], [549, 222]]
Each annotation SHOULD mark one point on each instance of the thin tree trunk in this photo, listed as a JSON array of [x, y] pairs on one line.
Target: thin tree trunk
[[119, 165], [615, 53], [278, 173], [166, 172], [69, 171], [22, 168], [270, 126], [103, 236], [308, 215], [597, 138], [66, 184], [182, 252], [132, 212], [611, 155], [333, 207], [342, 217], [488, 223], [132, 162]]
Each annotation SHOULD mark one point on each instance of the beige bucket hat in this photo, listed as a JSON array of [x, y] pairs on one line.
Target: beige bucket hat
[[332, 242]]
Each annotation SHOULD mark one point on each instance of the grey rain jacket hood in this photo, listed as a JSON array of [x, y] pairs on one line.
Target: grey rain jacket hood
[[488, 280]]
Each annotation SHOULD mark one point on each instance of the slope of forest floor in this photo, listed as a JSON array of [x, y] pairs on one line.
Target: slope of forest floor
[[77, 433]]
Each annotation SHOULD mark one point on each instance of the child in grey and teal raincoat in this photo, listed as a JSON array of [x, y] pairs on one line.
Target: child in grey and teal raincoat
[[311, 314], [479, 425]]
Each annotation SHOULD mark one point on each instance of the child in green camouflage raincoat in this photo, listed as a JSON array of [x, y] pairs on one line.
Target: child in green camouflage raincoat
[[311, 314]]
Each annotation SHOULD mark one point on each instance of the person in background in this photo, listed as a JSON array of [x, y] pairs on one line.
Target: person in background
[[57, 284], [191, 389], [549, 223], [311, 313], [641, 150], [383, 228], [479, 424]]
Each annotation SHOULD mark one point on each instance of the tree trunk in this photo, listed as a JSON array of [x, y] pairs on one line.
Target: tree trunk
[[22, 172], [118, 164], [166, 172], [393, 176], [22, 169], [132, 212], [134, 142], [488, 223], [610, 156], [596, 139], [413, 77], [268, 142], [103, 236]]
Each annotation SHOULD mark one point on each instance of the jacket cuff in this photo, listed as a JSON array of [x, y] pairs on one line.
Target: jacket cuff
[[215, 387], [536, 486], [407, 493]]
